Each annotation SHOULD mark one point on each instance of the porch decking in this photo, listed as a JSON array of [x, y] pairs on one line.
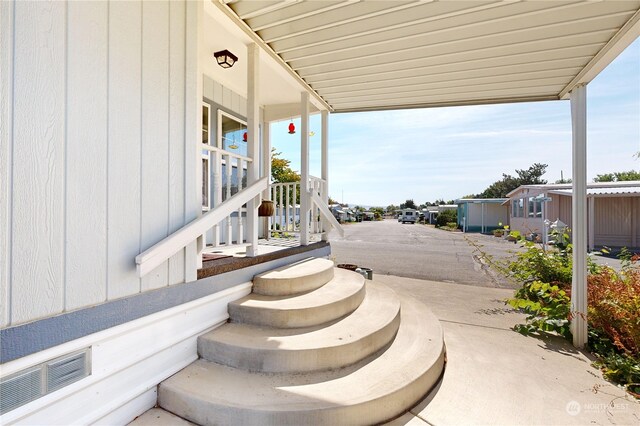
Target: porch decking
[[272, 249]]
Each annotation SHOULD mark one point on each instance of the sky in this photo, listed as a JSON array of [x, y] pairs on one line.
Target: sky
[[387, 157]]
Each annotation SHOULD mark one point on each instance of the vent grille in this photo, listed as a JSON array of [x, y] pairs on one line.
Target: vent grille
[[27, 385], [20, 389], [65, 371]]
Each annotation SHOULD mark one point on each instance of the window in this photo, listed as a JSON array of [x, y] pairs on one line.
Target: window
[[521, 207], [538, 204], [206, 157], [232, 134], [531, 207], [517, 207]]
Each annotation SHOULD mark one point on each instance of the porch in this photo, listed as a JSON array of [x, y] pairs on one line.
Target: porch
[[219, 260]]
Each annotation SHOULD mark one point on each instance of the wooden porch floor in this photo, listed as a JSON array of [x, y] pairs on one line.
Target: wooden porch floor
[[235, 257]]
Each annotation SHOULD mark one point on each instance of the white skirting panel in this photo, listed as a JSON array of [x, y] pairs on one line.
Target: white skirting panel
[[127, 363]]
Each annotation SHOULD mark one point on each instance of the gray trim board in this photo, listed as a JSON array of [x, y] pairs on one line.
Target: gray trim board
[[26, 339]]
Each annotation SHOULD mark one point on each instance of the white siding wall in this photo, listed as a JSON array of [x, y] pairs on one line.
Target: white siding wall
[[616, 221], [95, 139]]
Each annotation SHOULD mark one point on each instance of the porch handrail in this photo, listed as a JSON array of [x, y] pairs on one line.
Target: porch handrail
[[160, 252], [324, 210], [229, 153]]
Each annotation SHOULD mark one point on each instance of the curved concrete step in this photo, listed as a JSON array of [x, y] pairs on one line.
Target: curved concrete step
[[337, 298], [297, 278], [368, 329], [365, 393]]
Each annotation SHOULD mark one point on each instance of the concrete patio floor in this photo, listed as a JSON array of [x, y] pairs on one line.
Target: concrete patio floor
[[499, 377]]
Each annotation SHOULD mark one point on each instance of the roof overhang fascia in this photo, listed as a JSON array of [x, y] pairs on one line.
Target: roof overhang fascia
[[314, 97], [484, 101], [620, 41]]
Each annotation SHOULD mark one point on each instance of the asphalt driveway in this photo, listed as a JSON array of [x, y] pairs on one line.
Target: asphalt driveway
[[421, 251]]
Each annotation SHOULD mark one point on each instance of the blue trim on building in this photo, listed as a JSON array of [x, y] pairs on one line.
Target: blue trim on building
[[26, 339]]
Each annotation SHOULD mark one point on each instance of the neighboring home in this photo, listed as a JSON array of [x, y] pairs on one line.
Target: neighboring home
[[613, 213], [368, 215], [430, 215], [443, 207], [339, 213], [482, 214]]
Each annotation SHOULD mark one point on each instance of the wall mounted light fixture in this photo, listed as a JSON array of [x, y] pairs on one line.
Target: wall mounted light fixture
[[225, 58]]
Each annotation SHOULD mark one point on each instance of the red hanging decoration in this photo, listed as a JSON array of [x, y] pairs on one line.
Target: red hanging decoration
[[292, 128], [244, 137]]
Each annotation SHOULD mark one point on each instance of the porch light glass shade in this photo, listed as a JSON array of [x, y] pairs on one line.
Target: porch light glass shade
[[225, 58]]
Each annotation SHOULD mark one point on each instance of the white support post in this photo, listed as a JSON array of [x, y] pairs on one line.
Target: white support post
[[305, 201], [579, 216], [324, 117], [253, 141], [592, 223], [266, 170], [217, 193], [193, 131]]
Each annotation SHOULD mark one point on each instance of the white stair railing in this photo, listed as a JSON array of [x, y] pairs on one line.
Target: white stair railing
[[326, 213], [225, 232], [156, 255], [286, 217]]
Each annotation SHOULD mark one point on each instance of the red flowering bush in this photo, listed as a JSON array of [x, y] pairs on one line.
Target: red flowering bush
[[614, 306]]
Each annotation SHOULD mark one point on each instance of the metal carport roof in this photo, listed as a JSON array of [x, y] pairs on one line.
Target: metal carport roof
[[373, 55]]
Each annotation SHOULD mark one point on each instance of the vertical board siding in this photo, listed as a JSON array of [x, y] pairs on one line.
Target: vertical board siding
[[37, 272], [125, 68], [100, 130], [177, 14], [86, 193], [193, 127], [564, 209], [635, 216], [613, 221], [155, 134], [6, 146]]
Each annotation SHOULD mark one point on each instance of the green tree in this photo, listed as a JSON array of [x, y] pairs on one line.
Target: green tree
[[618, 176], [391, 208], [281, 170], [409, 204], [530, 176], [378, 212]]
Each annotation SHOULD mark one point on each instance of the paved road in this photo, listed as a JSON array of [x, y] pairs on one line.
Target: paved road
[[420, 251]]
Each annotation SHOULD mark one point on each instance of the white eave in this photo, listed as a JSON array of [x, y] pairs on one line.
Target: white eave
[[628, 191], [594, 188], [375, 55]]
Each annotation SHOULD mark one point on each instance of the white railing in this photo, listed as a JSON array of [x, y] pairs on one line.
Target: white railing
[[225, 232], [286, 216], [162, 251]]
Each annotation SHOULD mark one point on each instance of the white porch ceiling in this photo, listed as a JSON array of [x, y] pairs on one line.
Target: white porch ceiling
[[372, 55]]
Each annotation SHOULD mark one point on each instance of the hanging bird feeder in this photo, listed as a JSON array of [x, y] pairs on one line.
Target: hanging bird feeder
[[292, 128]]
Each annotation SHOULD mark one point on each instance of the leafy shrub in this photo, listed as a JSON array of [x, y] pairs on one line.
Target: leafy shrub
[[547, 307], [535, 264], [453, 225], [613, 308], [446, 217]]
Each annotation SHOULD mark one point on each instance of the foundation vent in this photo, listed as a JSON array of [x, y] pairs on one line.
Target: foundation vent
[[27, 385]]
